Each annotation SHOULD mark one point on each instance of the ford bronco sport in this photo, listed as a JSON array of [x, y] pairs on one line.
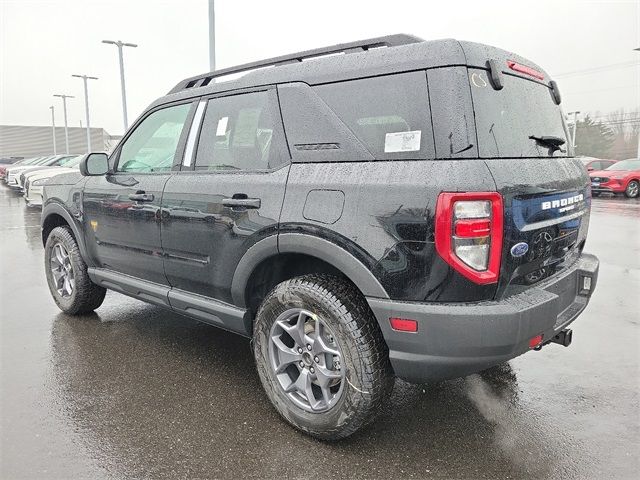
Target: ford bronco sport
[[388, 207]]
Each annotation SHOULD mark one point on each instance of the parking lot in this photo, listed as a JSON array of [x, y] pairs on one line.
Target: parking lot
[[138, 391]]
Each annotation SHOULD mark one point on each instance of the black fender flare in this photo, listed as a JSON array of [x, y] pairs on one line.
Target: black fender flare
[[320, 248], [54, 208]]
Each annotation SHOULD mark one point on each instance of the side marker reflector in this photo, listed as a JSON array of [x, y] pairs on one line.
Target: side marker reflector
[[404, 325], [535, 341]]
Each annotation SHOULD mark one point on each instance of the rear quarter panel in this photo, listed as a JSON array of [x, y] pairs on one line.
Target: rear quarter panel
[[387, 219]]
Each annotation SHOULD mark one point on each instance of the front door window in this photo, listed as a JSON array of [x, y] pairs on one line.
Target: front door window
[[153, 144]]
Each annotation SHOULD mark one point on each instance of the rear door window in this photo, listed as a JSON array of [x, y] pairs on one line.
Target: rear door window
[[389, 115], [505, 119], [240, 132]]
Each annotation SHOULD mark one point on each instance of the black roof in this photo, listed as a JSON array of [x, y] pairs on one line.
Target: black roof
[[365, 58]]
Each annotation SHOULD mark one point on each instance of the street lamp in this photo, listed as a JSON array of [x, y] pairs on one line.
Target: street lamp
[[212, 36], [86, 106], [120, 44], [638, 152], [64, 109], [53, 128], [575, 123]]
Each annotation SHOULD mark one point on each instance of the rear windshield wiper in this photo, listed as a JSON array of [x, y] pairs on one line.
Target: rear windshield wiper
[[551, 142]]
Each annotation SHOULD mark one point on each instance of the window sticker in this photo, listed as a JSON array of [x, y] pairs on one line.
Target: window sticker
[[222, 127], [245, 133], [402, 141]]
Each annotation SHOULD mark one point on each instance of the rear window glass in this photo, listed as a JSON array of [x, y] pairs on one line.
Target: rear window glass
[[389, 115], [505, 119]]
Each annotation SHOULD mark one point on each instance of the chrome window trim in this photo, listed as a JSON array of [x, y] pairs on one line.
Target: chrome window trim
[[189, 150]]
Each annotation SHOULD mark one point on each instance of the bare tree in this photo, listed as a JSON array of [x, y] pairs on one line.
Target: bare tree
[[626, 127]]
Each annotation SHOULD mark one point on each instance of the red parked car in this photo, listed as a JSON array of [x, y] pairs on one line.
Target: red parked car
[[594, 164], [621, 177]]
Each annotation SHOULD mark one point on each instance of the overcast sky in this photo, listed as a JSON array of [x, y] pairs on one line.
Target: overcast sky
[[43, 42]]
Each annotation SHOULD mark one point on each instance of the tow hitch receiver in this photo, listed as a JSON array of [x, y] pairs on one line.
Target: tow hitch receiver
[[563, 337]]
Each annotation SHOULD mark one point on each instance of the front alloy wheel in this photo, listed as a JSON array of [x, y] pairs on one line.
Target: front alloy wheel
[[67, 276], [306, 360], [62, 270]]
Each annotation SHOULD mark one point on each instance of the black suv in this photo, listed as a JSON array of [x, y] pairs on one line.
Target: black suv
[[386, 207]]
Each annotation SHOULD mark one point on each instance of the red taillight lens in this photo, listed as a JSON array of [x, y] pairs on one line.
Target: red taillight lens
[[472, 228], [469, 233], [517, 67], [404, 324]]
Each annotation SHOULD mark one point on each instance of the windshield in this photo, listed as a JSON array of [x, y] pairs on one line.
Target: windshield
[[72, 162], [32, 161], [43, 161], [632, 164], [58, 162], [506, 119]]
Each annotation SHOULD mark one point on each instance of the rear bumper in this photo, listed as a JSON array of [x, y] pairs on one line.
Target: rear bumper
[[455, 340]]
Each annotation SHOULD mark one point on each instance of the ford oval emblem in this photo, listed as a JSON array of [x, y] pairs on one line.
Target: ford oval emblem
[[519, 249]]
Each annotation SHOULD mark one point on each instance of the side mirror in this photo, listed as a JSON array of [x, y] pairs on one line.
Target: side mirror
[[94, 164]]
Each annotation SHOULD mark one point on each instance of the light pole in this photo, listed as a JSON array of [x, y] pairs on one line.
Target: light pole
[[86, 106], [638, 152], [212, 36], [53, 128], [575, 123], [64, 109], [120, 44]]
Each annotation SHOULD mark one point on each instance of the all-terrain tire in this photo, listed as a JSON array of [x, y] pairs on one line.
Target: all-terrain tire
[[85, 296], [368, 373]]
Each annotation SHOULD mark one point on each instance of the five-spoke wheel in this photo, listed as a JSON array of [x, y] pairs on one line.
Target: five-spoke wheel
[[62, 270], [67, 276], [306, 360], [321, 356]]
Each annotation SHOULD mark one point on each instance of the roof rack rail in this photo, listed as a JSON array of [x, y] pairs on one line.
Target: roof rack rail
[[351, 47]]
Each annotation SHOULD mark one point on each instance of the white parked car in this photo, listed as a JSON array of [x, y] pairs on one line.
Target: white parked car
[[12, 173], [69, 162], [34, 181], [57, 162]]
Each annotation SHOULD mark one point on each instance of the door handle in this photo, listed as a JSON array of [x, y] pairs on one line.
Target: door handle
[[241, 203], [141, 197]]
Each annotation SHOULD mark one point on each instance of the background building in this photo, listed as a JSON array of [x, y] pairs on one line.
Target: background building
[[27, 141]]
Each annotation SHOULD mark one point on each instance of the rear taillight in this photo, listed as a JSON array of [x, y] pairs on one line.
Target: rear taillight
[[469, 233]]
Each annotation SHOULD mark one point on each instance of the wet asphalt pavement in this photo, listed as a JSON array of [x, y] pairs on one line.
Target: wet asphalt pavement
[[138, 391]]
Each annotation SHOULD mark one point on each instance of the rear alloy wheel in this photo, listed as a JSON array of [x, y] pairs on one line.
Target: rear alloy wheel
[[67, 277], [321, 356], [306, 360], [632, 189]]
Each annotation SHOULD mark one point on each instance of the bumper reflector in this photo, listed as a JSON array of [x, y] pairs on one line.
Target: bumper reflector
[[535, 341], [404, 324], [584, 285]]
